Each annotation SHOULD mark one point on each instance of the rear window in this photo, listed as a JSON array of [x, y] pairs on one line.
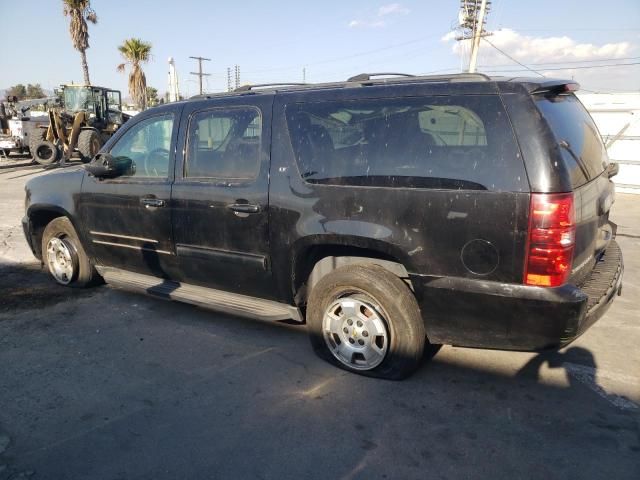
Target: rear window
[[462, 142], [582, 149]]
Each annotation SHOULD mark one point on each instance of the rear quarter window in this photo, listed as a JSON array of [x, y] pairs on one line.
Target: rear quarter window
[[582, 149], [443, 142]]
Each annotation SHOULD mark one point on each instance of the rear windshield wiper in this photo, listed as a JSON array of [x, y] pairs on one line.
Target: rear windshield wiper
[[564, 144]]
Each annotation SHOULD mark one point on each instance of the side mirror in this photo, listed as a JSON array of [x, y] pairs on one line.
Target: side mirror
[[612, 169], [105, 165]]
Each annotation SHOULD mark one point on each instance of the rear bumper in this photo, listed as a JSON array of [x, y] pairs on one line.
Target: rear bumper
[[477, 313]]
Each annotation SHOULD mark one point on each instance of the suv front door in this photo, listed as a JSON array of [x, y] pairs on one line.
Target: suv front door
[[220, 195], [128, 218]]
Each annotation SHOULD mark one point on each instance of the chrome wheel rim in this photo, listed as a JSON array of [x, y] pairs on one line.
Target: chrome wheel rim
[[60, 259], [356, 332]]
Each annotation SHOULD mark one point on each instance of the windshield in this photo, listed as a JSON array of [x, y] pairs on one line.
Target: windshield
[[77, 99]]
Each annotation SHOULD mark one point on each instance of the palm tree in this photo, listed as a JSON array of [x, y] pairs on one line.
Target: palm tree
[[80, 12], [136, 51]]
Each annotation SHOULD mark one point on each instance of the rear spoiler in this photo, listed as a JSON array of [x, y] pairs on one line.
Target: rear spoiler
[[556, 87]]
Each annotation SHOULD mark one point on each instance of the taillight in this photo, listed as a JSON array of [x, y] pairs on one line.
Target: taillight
[[552, 233]]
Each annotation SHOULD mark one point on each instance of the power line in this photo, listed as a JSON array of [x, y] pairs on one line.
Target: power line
[[572, 61], [569, 68], [513, 59]]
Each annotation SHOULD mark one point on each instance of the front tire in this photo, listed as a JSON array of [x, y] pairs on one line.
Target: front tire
[[89, 143], [366, 320], [64, 256]]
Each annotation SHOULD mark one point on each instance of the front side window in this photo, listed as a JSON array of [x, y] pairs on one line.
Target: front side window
[[147, 144], [224, 144], [448, 142]]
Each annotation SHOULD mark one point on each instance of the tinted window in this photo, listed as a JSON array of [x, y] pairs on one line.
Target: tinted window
[[463, 142], [224, 143], [578, 137], [147, 144]]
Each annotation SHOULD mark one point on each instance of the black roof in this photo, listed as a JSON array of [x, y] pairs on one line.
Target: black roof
[[530, 84]]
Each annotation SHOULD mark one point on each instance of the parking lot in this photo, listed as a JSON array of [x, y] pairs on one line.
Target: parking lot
[[106, 384]]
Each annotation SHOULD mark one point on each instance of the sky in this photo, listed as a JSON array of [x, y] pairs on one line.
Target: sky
[[273, 41]]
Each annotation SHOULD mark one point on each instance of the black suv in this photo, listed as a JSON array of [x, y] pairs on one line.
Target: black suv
[[390, 214]]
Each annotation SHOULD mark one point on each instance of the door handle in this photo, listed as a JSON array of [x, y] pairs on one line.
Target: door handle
[[152, 202], [244, 207]]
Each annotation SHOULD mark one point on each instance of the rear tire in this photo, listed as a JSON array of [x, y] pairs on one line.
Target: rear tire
[[46, 153], [89, 143], [366, 320], [65, 257]]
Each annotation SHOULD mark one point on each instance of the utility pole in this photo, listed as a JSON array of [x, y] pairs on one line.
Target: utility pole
[[304, 75], [237, 75], [199, 72], [473, 17]]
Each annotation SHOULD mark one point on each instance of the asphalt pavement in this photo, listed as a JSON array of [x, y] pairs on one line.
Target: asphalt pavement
[[106, 384]]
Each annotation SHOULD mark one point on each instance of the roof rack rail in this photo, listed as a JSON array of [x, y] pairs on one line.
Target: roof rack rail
[[363, 77], [248, 87]]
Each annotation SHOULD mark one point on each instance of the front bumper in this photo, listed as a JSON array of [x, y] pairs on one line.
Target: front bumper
[[28, 235], [477, 313]]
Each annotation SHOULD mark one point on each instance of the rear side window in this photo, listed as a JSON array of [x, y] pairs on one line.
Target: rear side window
[[453, 142], [224, 144], [577, 135]]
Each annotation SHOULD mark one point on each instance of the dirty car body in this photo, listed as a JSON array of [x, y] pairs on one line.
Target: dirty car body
[[488, 197]]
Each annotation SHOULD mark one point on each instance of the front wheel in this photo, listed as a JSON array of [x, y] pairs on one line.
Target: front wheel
[[64, 255], [89, 143], [364, 319]]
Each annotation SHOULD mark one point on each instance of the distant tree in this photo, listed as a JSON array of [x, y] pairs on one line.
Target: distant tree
[[18, 90], [35, 91], [80, 12], [135, 52], [152, 96]]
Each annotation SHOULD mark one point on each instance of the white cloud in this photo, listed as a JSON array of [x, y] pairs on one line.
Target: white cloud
[[548, 54], [527, 49], [392, 9], [378, 20], [367, 23]]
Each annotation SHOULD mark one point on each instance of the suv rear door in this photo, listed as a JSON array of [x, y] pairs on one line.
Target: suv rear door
[[220, 195], [585, 159]]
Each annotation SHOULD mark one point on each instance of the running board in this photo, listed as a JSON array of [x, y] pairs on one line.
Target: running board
[[218, 300]]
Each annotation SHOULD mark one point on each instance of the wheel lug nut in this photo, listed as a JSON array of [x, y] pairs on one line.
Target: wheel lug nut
[[361, 342], [365, 334], [349, 322], [359, 323], [345, 330], [351, 341]]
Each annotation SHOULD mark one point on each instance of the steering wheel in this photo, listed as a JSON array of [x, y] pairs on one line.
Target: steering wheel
[[155, 162]]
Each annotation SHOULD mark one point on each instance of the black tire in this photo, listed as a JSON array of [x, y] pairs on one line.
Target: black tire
[[89, 143], [397, 305], [84, 274], [46, 153], [35, 137]]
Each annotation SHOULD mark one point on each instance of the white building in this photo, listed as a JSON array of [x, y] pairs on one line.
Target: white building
[[618, 119]]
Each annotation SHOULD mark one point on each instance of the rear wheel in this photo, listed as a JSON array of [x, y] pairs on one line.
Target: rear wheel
[[89, 143], [364, 319], [64, 255], [46, 153]]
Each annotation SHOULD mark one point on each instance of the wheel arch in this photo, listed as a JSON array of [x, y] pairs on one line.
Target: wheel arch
[[39, 217], [316, 260]]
